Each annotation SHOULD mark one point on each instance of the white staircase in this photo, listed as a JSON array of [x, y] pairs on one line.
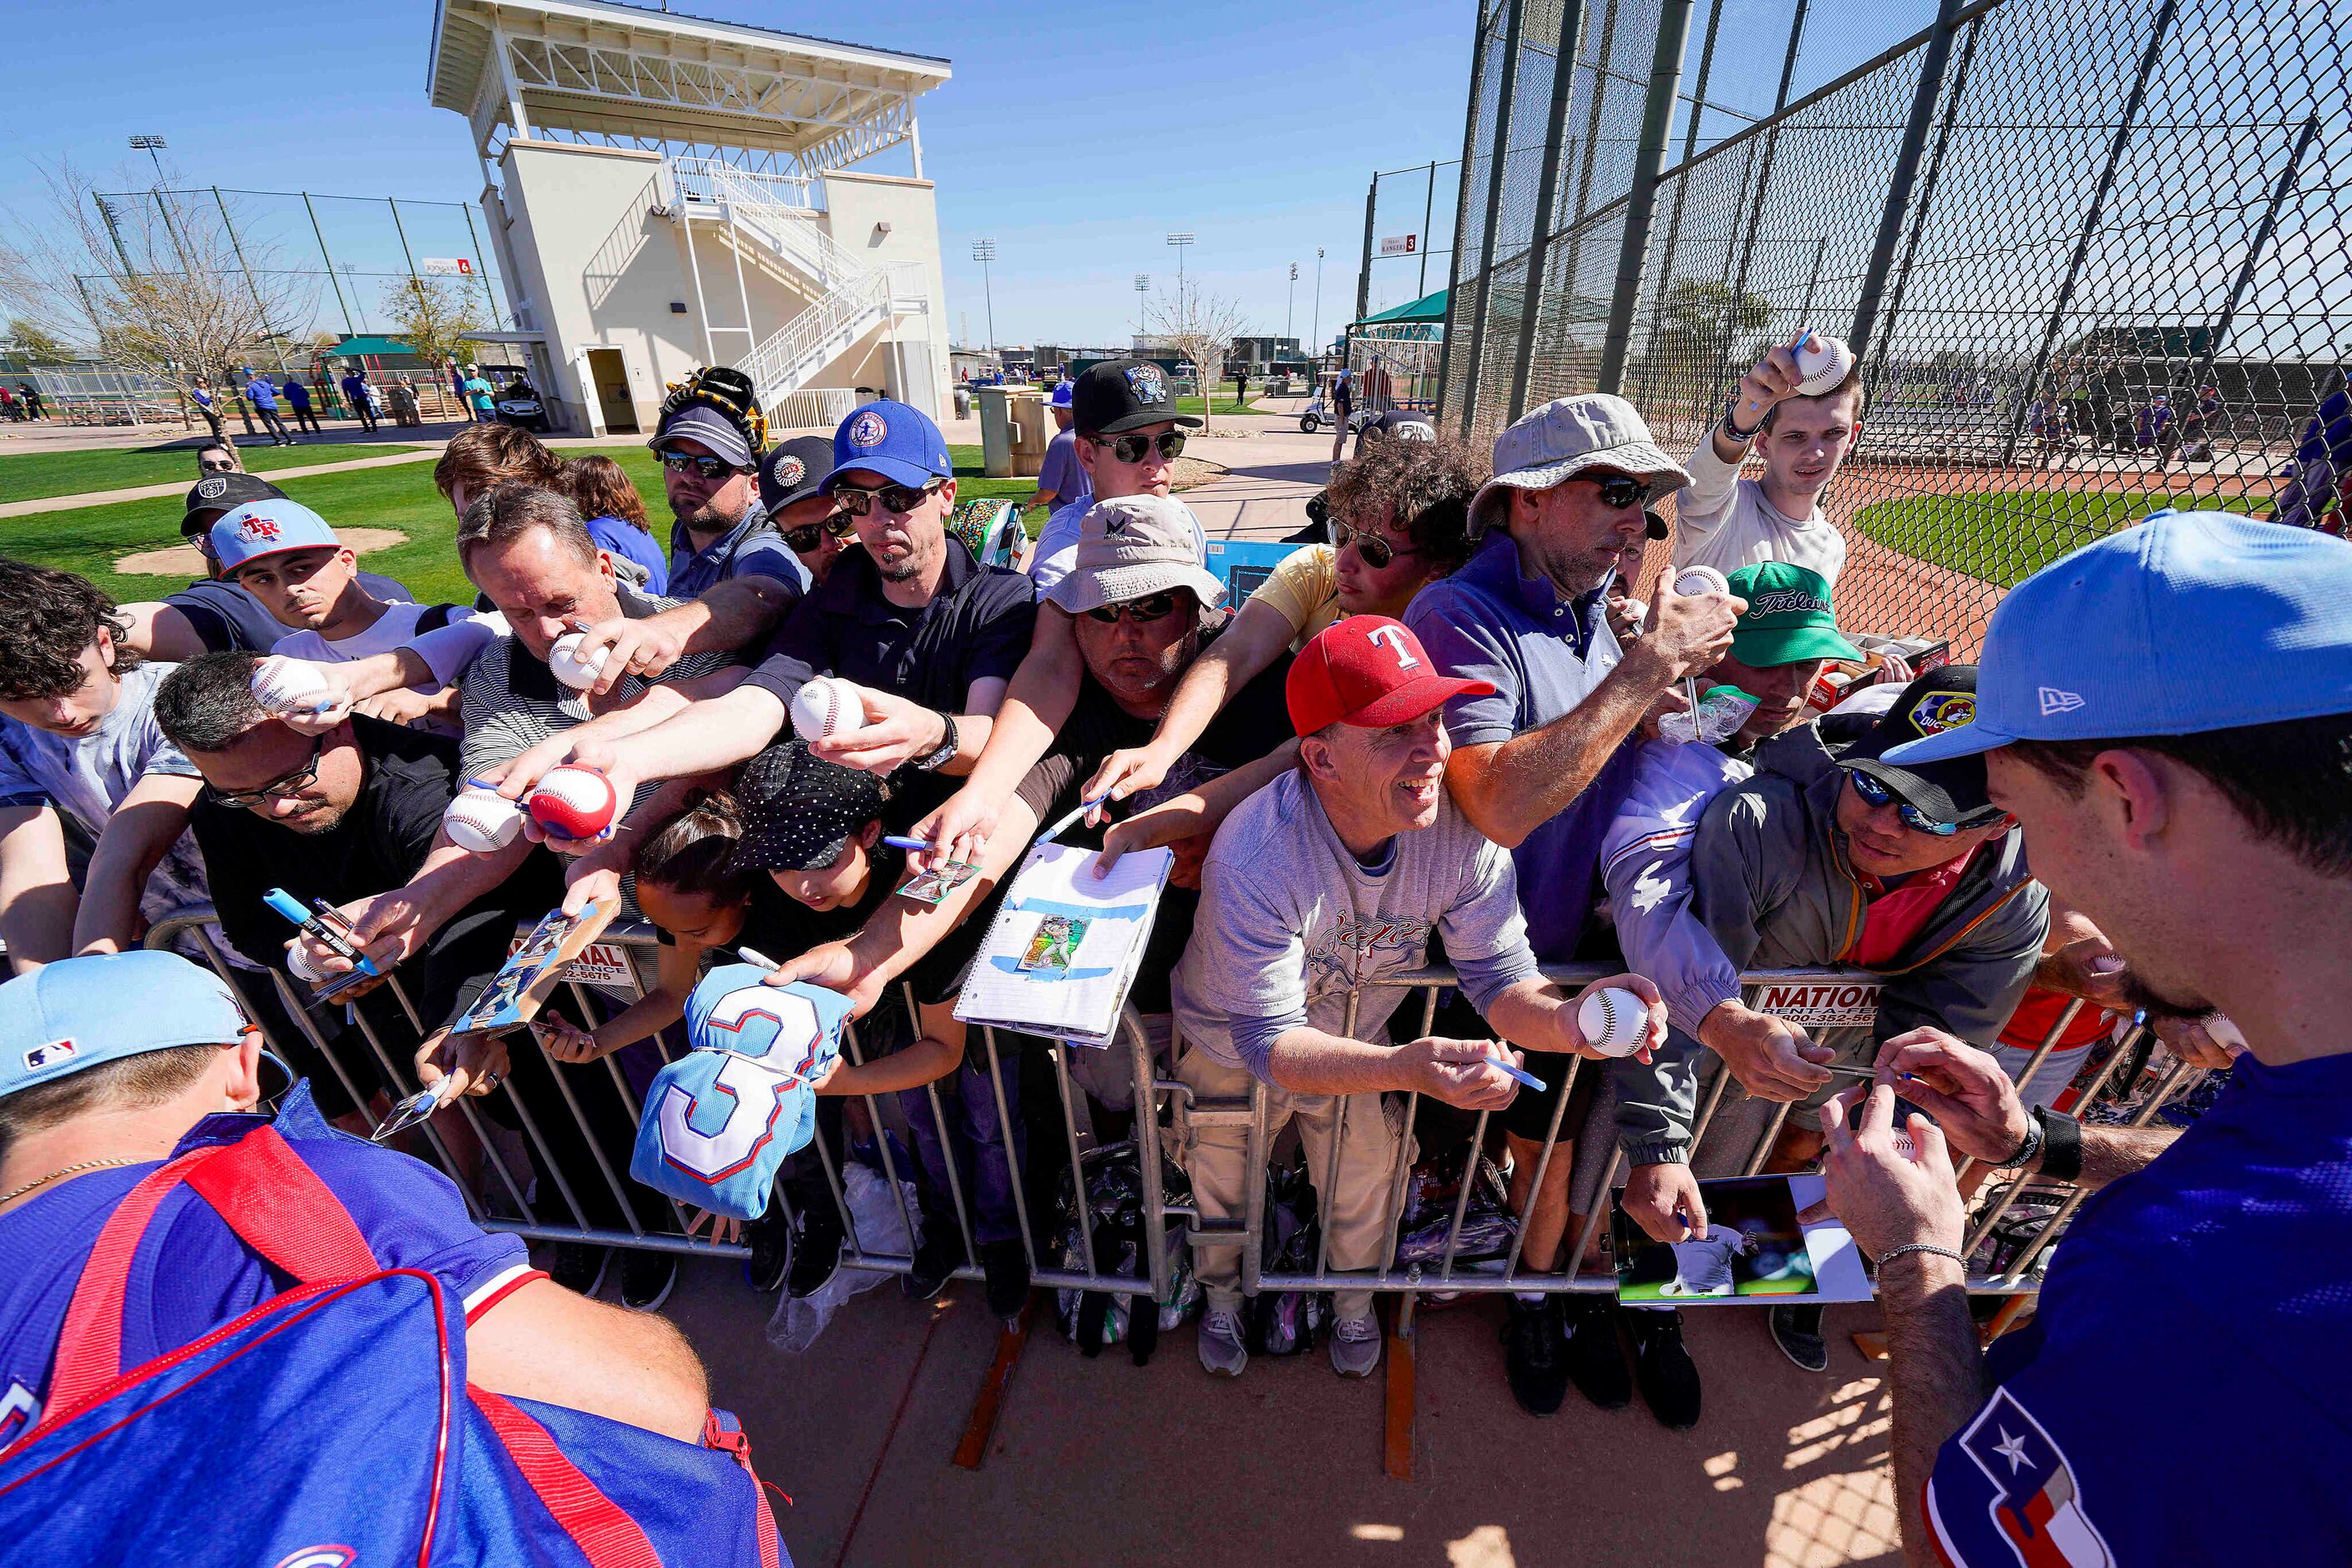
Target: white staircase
[[771, 223]]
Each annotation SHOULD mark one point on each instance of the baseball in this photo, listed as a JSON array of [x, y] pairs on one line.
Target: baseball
[[1823, 361], [564, 661], [1614, 1022], [297, 964], [827, 708], [291, 685], [573, 802], [481, 820], [1692, 581]]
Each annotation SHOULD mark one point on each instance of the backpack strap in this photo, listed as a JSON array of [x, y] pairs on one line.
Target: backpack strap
[[260, 1188], [603, 1530]]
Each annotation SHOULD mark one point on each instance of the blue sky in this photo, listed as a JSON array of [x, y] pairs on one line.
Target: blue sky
[[1076, 136]]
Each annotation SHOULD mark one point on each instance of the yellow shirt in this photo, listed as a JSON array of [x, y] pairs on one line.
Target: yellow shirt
[[1305, 591]]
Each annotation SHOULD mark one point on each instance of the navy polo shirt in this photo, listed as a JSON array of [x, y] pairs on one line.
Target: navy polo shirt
[[977, 626], [1543, 654]]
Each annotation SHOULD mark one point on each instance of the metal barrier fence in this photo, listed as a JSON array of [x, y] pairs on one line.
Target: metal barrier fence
[[507, 1199], [2089, 258]]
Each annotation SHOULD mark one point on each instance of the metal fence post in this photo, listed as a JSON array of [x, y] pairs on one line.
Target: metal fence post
[[228, 228], [1914, 145], [1682, 193], [1657, 125], [1428, 211], [1501, 156], [2157, 37], [1453, 276], [1564, 89], [1927, 198], [341, 303], [1364, 273], [2259, 242], [1763, 166], [1601, 56], [480, 255]]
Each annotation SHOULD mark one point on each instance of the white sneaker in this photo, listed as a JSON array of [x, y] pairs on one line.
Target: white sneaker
[[1221, 1351], [1355, 1347]]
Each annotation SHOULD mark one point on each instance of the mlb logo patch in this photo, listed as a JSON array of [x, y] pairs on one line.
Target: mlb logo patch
[[868, 429], [1937, 712], [41, 1058], [789, 472], [258, 528], [1146, 381]]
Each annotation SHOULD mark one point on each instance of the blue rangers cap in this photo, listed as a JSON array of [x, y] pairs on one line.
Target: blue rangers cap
[[892, 439], [720, 1121], [2189, 623], [80, 1012]]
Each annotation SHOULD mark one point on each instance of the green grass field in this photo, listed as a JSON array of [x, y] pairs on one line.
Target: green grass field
[[89, 539], [1224, 405], [35, 475], [2005, 536]]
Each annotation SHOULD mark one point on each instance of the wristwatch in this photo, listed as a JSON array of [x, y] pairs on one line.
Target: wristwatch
[[931, 762]]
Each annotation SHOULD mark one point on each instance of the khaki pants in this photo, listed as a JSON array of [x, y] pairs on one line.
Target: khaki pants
[[1217, 1160]]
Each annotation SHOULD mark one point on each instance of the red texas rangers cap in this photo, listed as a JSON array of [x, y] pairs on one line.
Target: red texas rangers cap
[[1368, 671]]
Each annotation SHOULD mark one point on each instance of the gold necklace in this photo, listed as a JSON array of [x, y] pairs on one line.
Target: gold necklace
[[16, 1193]]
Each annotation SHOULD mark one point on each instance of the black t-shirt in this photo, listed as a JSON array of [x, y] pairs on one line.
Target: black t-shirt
[[225, 616], [378, 845], [1253, 722]]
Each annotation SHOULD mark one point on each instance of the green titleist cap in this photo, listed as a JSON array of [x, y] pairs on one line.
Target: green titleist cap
[[1788, 618]]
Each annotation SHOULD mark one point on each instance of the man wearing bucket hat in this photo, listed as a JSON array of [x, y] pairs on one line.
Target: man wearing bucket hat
[[1542, 758], [110, 1066], [2168, 714]]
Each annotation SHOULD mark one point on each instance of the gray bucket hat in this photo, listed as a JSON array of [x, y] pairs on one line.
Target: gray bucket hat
[[1564, 438], [1132, 546]]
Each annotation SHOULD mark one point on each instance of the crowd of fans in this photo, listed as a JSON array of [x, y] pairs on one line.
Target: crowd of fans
[[1447, 733]]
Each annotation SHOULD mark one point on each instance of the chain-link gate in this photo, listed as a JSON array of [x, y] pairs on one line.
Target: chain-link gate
[[2090, 258]]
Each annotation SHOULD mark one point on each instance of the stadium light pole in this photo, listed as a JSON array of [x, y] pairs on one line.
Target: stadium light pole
[[1142, 287], [151, 145], [1290, 301], [1318, 303], [1179, 241], [984, 251]]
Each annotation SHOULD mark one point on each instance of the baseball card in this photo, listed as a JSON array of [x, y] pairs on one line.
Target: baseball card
[[933, 886], [533, 970], [1755, 1248], [1054, 947]]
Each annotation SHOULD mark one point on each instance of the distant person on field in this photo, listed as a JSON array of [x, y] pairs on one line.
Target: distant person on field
[[480, 395], [263, 398], [32, 396], [1726, 522], [361, 396], [298, 397], [1343, 403]]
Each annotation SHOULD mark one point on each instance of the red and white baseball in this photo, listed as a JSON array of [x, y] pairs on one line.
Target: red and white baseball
[[1613, 1021], [291, 685], [826, 709], [573, 802], [481, 820], [564, 662], [1823, 361], [1693, 581]]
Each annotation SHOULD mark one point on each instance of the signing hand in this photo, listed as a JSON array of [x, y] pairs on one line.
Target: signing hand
[[1771, 1057], [477, 1061], [403, 706], [386, 928], [958, 831], [1961, 1087], [896, 731], [1686, 636], [336, 699], [837, 967], [1571, 1034], [566, 1042], [1663, 1200], [644, 648], [1885, 1198], [2209, 1042], [1462, 1073], [1128, 771]]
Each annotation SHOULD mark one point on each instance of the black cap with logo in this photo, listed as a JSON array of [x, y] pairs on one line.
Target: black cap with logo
[[1121, 394], [216, 493], [1950, 791], [794, 471]]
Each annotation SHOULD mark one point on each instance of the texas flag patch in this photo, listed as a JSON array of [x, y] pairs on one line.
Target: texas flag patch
[[2035, 1503]]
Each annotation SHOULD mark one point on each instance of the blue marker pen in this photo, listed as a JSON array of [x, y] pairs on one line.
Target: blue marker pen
[[1526, 1078], [919, 846], [287, 904]]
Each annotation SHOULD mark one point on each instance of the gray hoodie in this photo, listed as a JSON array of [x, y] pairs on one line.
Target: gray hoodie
[[1768, 881]]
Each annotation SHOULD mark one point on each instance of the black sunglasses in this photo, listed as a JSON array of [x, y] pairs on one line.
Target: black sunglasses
[[806, 537], [1375, 549], [1132, 448], [893, 497], [1143, 612], [1874, 793], [210, 466], [300, 779], [1619, 491], [704, 466]]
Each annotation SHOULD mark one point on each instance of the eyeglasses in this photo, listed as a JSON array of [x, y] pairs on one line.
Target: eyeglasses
[[300, 779], [1374, 548], [893, 497], [1874, 793], [1169, 443], [704, 468], [215, 466], [1619, 491], [1143, 612], [806, 538]]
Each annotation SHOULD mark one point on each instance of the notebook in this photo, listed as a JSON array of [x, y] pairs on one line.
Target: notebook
[[1066, 944]]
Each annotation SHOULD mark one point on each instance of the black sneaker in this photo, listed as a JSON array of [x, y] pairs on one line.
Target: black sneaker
[[939, 1255], [771, 1239], [1534, 1355], [646, 1278], [1595, 1361], [1798, 1332], [817, 1252], [1663, 1369], [1007, 1267], [579, 1267]]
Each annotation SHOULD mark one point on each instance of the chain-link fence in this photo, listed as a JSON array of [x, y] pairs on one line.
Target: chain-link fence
[[2091, 259]]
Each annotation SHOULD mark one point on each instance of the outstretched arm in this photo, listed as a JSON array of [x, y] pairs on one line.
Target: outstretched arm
[[1254, 640], [138, 836]]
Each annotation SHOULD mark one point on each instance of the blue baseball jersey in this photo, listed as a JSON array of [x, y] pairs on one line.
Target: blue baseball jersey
[[2184, 1393], [191, 1274]]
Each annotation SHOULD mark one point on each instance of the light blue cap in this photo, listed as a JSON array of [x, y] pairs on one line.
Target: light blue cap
[[271, 527], [80, 1012], [2190, 622], [895, 440]]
